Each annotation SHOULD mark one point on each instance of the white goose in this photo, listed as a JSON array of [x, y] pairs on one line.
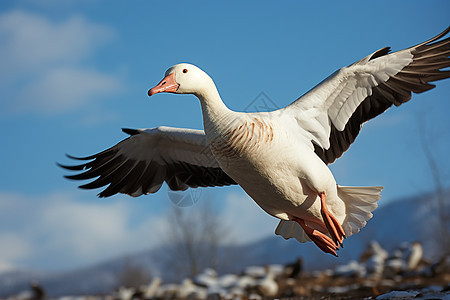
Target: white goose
[[279, 158]]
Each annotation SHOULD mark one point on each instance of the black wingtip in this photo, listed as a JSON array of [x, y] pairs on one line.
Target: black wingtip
[[73, 157], [442, 34], [131, 131], [71, 168], [81, 158], [380, 53]]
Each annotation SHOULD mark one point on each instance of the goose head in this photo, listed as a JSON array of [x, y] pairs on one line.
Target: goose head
[[183, 79]]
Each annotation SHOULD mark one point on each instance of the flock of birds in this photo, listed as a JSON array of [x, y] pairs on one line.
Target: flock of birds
[[280, 158], [377, 271]]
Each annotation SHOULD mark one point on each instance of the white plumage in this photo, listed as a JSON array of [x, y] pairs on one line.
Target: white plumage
[[279, 158]]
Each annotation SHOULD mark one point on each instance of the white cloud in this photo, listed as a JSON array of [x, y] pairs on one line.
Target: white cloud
[[65, 89], [61, 232], [43, 63], [31, 41], [12, 248]]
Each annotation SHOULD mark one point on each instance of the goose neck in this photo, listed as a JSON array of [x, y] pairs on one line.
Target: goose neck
[[213, 108]]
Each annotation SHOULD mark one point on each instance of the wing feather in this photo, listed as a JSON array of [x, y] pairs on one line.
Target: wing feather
[[357, 93], [141, 163]]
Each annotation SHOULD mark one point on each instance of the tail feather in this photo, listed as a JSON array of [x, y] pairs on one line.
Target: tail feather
[[359, 204], [291, 229]]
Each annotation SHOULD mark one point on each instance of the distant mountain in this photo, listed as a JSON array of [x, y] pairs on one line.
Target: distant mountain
[[412, 219]]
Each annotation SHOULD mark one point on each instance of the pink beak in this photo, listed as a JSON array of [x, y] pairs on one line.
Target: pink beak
[[168, 85]]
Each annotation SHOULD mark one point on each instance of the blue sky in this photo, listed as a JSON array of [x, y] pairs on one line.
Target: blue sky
[[74, 72]]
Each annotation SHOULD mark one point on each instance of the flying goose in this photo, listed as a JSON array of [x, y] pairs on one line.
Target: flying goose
[[280, 157]]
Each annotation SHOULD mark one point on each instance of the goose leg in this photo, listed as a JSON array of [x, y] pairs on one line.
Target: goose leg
[[321, 240], [334, 228]]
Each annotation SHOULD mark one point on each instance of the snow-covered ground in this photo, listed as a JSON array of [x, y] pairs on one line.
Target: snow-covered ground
[[379, 274]]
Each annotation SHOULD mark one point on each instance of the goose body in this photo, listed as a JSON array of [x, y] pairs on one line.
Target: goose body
[[273, 166], [279, 158]]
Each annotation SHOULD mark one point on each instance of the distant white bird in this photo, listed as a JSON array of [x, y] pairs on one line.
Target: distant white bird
[[279, 158], [188, 290], [150, 290], [412, 255], [207, 278], [168, 291], [374, 257], [352, 269], [125, 293], [255, 271], [268, 286]]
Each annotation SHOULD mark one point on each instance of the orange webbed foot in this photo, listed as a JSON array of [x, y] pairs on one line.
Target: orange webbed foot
[[321, 240], [334, 228]]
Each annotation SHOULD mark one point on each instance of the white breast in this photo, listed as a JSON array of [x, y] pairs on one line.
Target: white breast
[[245, 138]]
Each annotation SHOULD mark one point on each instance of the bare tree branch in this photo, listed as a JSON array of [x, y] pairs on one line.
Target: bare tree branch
[[192, 237], [444, 237]]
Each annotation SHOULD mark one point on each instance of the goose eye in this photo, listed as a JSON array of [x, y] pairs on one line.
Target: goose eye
[[185, 70]]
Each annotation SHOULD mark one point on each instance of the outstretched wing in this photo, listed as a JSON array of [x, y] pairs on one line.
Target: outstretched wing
[[332, 113], [142, 162]]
